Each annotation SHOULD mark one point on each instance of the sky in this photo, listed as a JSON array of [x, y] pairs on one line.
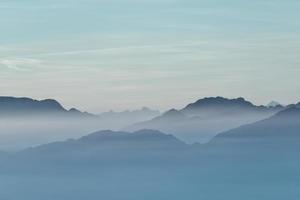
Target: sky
[[98, 55]]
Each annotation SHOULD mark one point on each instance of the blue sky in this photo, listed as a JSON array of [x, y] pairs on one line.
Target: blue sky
[[117, 54]]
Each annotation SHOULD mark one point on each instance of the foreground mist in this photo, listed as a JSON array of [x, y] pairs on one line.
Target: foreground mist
[[151, 165]]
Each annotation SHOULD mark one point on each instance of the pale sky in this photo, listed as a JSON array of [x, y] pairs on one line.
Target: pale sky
[[98, 55]]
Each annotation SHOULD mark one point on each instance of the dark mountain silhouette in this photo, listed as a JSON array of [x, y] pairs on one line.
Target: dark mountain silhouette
[[13, 106], [283, 124], [291, 113], [37, 122], [143, 137], [200, 121], [262, 156], [25, 122], [108, 146], [219, 106], [277, 135]]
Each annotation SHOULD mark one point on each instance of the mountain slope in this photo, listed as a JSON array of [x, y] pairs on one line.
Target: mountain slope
[[275, 135], [285, 123], [216, 105], [108, 146], [202, 120], [17, 107], [25, 122], [220, 106]]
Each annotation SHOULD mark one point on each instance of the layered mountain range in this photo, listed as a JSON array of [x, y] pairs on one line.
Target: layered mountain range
[[262, 156], [26, 107], [25, 122], [202, 120], [278, 135]]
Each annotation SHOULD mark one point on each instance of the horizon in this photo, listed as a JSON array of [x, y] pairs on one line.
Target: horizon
[[68, 107], [161, 54]]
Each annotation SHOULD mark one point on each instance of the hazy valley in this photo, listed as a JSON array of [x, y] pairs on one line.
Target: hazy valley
[[260, 146]]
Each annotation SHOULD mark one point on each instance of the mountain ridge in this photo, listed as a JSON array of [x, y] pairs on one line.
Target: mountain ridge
[[203, 119], [225, 105], [18, 106], [107, 145], [281, 129]]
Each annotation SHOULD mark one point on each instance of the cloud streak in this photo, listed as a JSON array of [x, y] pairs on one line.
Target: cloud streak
[[20, 64], [112, 50]]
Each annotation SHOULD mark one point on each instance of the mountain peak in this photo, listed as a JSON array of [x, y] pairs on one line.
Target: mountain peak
[[117, 140], [51, 104], [216, 105], [22, 104], [273, 104], [219, 101], [143, 134]]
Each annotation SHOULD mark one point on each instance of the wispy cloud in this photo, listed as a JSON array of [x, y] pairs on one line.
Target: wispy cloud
[[20, 64], [114, 50]]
